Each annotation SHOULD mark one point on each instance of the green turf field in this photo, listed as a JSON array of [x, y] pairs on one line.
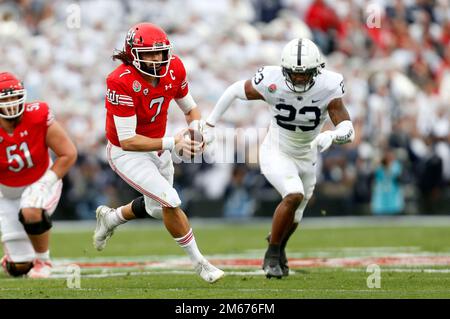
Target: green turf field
[[328, 262]]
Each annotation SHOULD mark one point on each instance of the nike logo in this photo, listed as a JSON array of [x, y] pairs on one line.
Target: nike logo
[[315, 101]]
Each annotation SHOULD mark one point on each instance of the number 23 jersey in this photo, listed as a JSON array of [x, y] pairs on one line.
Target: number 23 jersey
[[297, 117]]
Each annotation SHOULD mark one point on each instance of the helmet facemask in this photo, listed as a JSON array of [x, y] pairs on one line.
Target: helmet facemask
[[153, 68], [305, 84], [12, 109]]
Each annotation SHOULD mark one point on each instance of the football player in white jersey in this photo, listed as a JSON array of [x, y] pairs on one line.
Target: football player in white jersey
[[300, 92]]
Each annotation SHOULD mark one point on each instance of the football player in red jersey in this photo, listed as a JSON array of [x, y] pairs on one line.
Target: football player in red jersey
[[30, 182], [137, 100]]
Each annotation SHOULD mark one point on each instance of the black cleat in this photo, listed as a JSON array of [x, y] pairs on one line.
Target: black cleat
[[273, 271], [271, 265], [283, 260], [284, 264]]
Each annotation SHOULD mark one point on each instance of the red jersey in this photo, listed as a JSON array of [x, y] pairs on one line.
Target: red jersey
[[24, 156], [129, 94]]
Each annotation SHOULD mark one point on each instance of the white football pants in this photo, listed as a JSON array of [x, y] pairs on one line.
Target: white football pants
[[148, 173], [16, 243], [287, 174]]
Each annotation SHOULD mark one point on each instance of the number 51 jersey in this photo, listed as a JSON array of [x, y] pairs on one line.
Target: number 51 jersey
[[24, 156], [297, 117]]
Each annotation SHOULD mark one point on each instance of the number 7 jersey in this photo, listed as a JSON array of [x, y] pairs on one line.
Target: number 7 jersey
[[297, 117], [129, 94]]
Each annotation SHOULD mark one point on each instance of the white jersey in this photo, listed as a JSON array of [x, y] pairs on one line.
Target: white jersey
[[297, 117]]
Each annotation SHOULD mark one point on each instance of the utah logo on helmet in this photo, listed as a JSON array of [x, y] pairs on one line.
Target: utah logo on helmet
[[130, 37], [147, 37]]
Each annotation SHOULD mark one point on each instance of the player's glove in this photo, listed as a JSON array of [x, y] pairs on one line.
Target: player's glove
[[205, 129], [36, 195], [323, 141], [187, 143], [209, 134]]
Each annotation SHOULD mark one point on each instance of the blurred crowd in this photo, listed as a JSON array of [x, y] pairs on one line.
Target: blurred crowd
[[394, 55]]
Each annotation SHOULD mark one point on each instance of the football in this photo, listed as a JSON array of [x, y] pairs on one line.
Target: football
[[193, 135], [190, 136]]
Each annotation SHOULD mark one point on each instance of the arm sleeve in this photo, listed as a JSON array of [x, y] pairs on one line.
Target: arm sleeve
[[125, 126], [186, 103], [234, 91], [118, 100]]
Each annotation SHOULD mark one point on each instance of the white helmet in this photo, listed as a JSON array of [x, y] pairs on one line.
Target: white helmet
[[301, 56]]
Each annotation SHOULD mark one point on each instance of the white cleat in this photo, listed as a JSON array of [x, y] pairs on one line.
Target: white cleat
[[41, 269], [103, 231], [208, 272]]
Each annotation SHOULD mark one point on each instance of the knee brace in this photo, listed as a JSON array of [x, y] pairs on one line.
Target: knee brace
[[138, 207], [36, 228], [17, 269]]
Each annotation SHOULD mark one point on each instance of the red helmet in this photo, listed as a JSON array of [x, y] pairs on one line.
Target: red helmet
[[147, 37], [10, 86]]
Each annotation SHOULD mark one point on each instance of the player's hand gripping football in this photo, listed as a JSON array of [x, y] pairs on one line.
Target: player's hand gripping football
[[323, 141], [189, 142], [207, 131]]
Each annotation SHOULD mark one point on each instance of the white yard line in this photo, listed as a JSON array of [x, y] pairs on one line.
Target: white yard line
[[407, 270], [236, 265]]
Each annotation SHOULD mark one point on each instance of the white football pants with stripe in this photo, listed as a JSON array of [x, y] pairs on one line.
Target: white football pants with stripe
[[149, 173]]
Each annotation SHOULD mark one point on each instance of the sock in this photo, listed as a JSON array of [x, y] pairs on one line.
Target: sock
[[45, 256], [273, 251], [187, 242], [116, 218]]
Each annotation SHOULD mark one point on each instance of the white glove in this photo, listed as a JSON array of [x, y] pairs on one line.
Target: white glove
[[323, 141], [36, 195], [205, 129], [209, 134], [186, 144]]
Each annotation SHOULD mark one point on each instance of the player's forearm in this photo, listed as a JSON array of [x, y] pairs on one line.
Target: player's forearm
[[60, 143], [234, 91], [140, 143], [63, 163], [192, 115], [344, 132]]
